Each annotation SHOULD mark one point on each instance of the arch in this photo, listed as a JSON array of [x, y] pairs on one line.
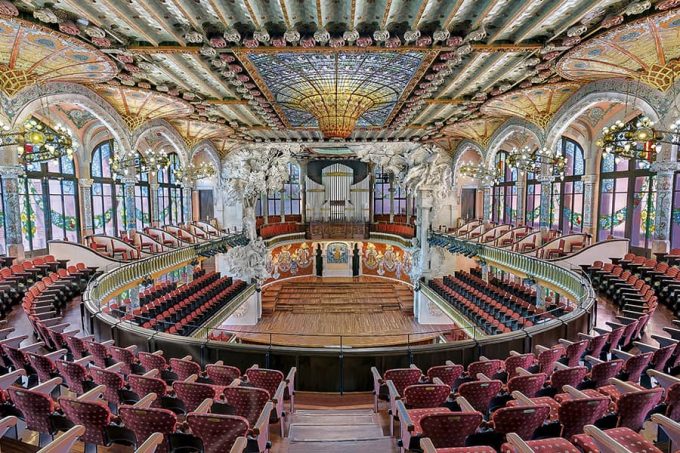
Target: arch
[[168, 132], [612, 91], [209, 148], [462, 147], [29, 99], [510, 127]]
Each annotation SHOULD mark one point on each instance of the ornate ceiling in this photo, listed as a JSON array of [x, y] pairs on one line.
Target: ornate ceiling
[[272, 70]]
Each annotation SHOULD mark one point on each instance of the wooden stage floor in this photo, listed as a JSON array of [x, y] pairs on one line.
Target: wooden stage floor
[[325, 312]]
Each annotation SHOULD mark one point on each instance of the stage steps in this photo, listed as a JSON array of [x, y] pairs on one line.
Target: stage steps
[[336, 431]]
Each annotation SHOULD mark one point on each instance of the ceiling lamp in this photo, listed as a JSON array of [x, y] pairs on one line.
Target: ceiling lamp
[[192, 172], [37, 142], [526, 160], [337, 110], [487, 176], [134, 164], [637, 139]]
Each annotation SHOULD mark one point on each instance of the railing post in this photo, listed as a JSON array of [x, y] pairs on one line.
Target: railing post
[[342, 368], [267, 356]]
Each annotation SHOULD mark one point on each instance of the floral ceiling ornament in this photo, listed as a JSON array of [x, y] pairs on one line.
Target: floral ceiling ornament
[[292, 36], [46, 15]]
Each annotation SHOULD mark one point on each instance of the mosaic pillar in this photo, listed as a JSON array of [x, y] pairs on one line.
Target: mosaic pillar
[[130, 205], [371, 194], [546, 189], [303, 191], [665, 174], [187, 205], [85, 187], [153, 196], [485, 270], [12, 210], [391, 198], [487, 203], [521, 196], [425, 201], [588, 195]]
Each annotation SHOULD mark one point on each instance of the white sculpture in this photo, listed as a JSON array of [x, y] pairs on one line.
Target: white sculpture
[[247, 262]]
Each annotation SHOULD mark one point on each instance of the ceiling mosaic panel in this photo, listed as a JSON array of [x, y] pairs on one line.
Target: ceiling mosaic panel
[[30, 53], [537, 104], [646, 49], [479, 131], [194, 131], [289, 78]]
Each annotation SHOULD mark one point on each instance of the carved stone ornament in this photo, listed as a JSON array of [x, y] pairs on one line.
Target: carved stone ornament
[[8, 171], [247, 262]]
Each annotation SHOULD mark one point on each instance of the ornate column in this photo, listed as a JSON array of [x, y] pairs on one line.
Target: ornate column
[[589, 196], [85, 187], [130, 205], [391, 198], [153, 197], [487, 202], [665, 173], [520, 185], [303, 191], [187, 207], [546, 189], [265, 207], [425, 204], [371, 194], [12, 210]]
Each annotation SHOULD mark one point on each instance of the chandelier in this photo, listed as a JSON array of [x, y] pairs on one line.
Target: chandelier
[[134, 164], [192, 172], [487, 176], [36, 142], [337, 112], [526, 160], [636, 139]]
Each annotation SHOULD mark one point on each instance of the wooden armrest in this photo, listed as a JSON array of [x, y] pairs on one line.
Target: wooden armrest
[[159, 352], [623, 387], [146, 402], [622, 354], [644, 347], [7, 379], [13, 342], [290, 377], [151, 373], [465, 405], [132, 348], [238, 447], [394, 394], [585, 336], [404, 417], [376, 375], [541, 348], [65, 441], [153, 441], [235, 383], [560, 366], [625, 320], [522, 372], [483, 358], [664, 380], [522, 398], [517, 442], [664, 341], [115, 367], [413, 366], [482, 377], [263, 420], [564, 342], [674, 333], [514, 353], [85, 360], [671, 427], [280, 392], [603, 441], [192, 378], [438, 381], [87, 338], [6, 423], [219, 363], [48, 386], [574, 393], [427, 446], [4, 333], [107, 343], [449, 363], [601, 331], [56, 354], [204, 407], [614, 325], [187, 357], [94, 394]]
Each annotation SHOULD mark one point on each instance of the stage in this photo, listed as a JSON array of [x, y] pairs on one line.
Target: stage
[[325, 312]]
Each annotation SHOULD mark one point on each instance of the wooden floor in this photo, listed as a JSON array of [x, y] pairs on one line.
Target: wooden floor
[[317, 312]]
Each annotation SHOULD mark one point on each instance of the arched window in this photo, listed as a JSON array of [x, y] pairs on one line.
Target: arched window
[[291, 191], [675, 212], [49, 203], [108, 197], [566, 207], [170, 193], [533, 212], [627, 196], [381, 191], [142, 201], [504, 208]]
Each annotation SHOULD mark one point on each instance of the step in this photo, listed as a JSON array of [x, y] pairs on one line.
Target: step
[[351, 412], [320, 433], [384, 445], [331, 420]]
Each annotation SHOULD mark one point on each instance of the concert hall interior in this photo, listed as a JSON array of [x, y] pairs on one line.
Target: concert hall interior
[[439, 226]]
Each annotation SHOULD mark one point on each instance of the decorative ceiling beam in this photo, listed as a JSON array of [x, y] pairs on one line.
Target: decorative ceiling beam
[[419, 15], [445, 101], [227, 102], [511, 19], [252, 14], [578, 13], [539, 21], [386, 16], [529, 47], [125, 17], [217, 6], [161, 22], [187, 15], [284, 13], [482, 14], [452, 14]]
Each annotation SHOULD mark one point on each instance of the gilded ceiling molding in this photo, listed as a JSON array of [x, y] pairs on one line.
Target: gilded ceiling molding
[[511, 126], [36, 97], [167, 131], [651, 102]]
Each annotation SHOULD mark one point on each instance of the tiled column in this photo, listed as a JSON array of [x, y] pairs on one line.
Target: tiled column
[[665, 174], [187, 205], [153, 197], [588, 194], [130, 205], [521, 196], [303, 191], [85, 187], [12, 210], [546, 189], [425, 203], [487, 203]]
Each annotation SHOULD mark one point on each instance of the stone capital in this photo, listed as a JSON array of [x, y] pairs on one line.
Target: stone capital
[[128, 180], [85, 183], [589, 179], [665, 167], [8, 171], [544, 179]]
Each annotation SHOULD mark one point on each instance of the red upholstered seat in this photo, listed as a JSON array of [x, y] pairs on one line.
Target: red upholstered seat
[[247, 402], [93, 415], [448, 429], [418, 414], [544, 401], [222, 374], [192, 394], [553, 445], [217, 432], [145, 421], [480, 393], [447, 373], [625, 436], [35, 406], [520, 420], [425, 395], [184, 368], [265, 379]]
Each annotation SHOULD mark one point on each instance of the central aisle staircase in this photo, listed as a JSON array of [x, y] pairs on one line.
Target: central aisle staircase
[[335, 431]]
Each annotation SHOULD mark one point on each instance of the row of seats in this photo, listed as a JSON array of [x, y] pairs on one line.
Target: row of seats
[[516, 289], [547, 398], [407, 231], [627, 290], [276, 229]]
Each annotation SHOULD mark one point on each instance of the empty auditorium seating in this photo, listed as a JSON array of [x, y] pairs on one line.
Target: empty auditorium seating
[[407, 231], [276, 229]]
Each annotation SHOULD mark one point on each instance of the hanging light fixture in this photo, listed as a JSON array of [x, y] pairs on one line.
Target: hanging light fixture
[[134, 164], [193, 172], [637, 139], [35, 141], [526, 160], [487, 176]]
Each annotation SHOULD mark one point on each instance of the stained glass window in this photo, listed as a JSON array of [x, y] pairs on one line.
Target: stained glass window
[[533, 212], [170, 194], [504, 207], [142, 201], [381, 191], [675, 214], [566, 207], [108, 197], [48, 203], [291, 191]]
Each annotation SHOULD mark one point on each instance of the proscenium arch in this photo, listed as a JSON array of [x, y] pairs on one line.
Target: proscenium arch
[[209, 148], [616, 91], [511, 126], [32, 98], [168, 132]]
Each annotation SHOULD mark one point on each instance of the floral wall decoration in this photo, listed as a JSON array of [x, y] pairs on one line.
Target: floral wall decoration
[[337, 253], [386, 260], [290, 260]]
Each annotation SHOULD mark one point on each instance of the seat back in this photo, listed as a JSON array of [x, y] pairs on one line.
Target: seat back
[[76, 346], [575, 414], [192, 394], [217, 432], [602, 372], [152, 361], [99, 352], [184, 368], [450, 430], [569, 376], [35, 406], [575, 351], [222, 374], [523, 420], [42, 365], [615, 337], [123, 355], [518, 361], [426, 395], [547, 359], [247, 402], [143, 422], [113, 382], [673, 402], [597, 344], [632, 408], [636, 365], [447, 373], [528, 385], [143, 385], [488, 368], [661, 356], [93, 415], [266, 379], [74, 374], [480, 393]]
